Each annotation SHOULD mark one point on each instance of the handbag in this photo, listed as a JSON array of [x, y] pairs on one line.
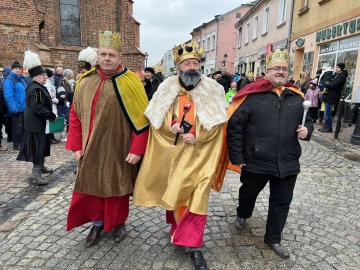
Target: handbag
[[55, 126]]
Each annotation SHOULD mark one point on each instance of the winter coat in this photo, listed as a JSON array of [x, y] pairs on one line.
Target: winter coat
[[313, 96], [243, 83], [38, 108], [3, 105], [14, 92], [304, 86], [262, 133], [230, 93], [223, 82], [57, 78], [334, 88], [50, 86]]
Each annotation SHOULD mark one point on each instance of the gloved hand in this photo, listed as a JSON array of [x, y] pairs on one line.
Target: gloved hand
[[15, 114]]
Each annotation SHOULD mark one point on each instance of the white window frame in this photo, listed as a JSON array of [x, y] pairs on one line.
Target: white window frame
[[213, 42], [208, 43], [203, 45], [282, 12], [239, 38], [265, 27], [247, 32], [255, 27]]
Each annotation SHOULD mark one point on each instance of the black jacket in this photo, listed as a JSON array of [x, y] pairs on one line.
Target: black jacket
[[57, 78], [334, 87], [262, 133], [38, 108], [223, 82]]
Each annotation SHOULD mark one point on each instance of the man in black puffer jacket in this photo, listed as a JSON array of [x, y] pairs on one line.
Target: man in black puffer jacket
[[263, 139], [332, 95]]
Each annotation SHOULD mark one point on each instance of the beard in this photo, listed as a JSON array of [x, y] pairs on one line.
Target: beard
[[190, 77]]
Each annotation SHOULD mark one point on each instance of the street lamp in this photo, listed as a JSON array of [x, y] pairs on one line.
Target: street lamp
[[146, 58], [225, 59]]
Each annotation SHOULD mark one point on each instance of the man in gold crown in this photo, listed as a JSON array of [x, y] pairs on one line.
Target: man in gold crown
[[263, 140], [176, 173], [108, 134], [248, 79]]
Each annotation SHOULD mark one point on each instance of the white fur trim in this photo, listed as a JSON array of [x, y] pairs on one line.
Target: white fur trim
[[208, 97]]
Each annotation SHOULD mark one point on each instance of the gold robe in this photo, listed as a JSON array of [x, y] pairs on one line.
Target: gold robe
[[181, 175]]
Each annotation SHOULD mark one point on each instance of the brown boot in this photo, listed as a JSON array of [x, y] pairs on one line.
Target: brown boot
[[93, 236], [119, 233], [35, 176]]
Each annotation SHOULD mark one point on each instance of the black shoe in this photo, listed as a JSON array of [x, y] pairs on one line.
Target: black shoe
[[119, 233], [17, 148], [326, 130], [94, 236], [54, 141], [279, 250], [240, 223], [198, 259]]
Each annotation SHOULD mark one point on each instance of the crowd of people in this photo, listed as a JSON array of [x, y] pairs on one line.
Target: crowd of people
[[174, 144]]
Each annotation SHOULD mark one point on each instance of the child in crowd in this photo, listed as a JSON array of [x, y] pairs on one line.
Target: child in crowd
[[312, 94], [230, 93]]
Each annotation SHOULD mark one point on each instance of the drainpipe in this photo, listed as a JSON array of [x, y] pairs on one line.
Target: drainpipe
[[118, 5], [217, 39], [290, 28]]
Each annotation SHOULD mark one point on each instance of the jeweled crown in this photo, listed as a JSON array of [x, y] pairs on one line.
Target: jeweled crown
[[279, 56], [250, 74], [108, 39], [184, 51]]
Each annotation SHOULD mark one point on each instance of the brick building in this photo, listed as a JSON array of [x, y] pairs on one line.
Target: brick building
[[59, 29]]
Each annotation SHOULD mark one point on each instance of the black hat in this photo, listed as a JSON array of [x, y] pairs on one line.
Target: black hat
[[49, 72], [319, 71], [341, 66], [16, 64], [150, 69], [217, 72]]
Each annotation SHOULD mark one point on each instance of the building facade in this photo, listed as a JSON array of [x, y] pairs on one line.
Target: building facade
[[59, 29], [268, 21], [325, 33], [217, 37], [168, 66]]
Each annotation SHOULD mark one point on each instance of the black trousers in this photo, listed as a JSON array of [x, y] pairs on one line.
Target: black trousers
[[281, 194], [17, 128]]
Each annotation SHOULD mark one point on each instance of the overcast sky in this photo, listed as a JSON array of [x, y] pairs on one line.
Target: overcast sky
[[168, 22]]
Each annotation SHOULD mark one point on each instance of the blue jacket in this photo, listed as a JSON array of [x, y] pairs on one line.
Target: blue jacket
[[14, 92]]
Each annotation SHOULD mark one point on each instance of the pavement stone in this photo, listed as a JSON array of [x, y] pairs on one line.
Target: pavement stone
[[322, 230]]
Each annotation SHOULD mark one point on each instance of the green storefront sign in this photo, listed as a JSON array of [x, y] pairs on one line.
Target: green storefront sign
[[338, 30]]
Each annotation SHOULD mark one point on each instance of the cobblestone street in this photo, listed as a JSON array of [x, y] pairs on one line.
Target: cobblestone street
[[322, 230]]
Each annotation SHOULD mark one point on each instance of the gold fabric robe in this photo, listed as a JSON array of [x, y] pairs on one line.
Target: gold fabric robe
[[180, 175], [102, 171]]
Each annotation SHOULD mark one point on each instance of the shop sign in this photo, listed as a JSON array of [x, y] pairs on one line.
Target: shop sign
[[261, 53], [338, 30], [329, 47]]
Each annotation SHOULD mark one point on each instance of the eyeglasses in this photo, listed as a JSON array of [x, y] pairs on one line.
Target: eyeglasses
[[277, 69]]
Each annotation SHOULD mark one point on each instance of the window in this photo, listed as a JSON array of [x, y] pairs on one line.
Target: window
[[304, 3], [266, 20], [256, 20], [213, 42], [208, 44], [247, 30], [304, 7], [238, 15], [70, 22], [282, 12], [239, 38], [203, 45]]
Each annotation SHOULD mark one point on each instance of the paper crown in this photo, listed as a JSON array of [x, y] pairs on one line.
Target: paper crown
[[187, 51], [279, 56], [250, 74], [108, 39]]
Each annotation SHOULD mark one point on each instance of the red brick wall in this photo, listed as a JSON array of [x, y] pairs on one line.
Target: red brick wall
[[19, 29]]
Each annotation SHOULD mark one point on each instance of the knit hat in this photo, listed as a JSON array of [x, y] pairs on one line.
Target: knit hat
[[49, 72], [16, 64], [33, 64], [341, 66], [67, 72], [150, 69]]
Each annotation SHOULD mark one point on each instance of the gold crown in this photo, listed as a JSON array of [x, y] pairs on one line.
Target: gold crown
[[187, 51], [250, 74], [110, 40], [279, 56]]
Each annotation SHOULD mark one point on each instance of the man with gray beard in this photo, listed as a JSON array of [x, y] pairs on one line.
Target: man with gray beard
[[186, 114]]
